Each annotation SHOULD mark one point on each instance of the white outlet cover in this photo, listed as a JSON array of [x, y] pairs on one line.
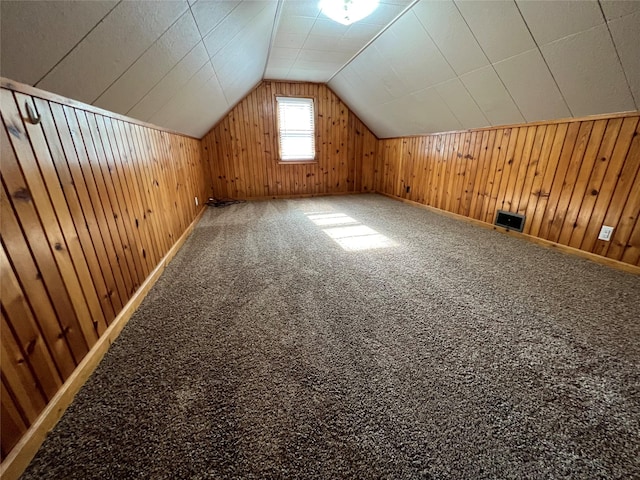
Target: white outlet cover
[[196, 201], [605, 233]]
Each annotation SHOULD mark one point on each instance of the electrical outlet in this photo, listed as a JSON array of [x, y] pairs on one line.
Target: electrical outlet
[[196, 201], [605, 233]]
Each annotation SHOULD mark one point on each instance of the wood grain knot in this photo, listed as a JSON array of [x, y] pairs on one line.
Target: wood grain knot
[[58, 246], [22, 194], [15, 131]]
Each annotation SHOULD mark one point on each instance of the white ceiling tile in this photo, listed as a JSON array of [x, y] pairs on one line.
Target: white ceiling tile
[[316, 65], [366, 75], [297, 8], [626, 35], [209, 13], [311, 75], [382, 15], [296, 25], [324, 56], [289, 40], [531, 85], [449, 31], [43, 32], [412, 54], [111, 48], [461, 104], [326, 27], [487, 90], [281, 63], [240, 65], [172, 83], [549, 21], [151, 67], [322, 42], [498, 27], [619, 8], [276, 73], [278, 53], [588, 72], [195, 108], [433, 113], [238, 20], [362, 31]]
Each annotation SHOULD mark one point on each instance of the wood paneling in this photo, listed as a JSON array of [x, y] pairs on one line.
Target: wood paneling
[[568, 178], [90, 204], [242, 150]]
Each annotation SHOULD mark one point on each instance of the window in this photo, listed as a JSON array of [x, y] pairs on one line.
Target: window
[[296, 130]]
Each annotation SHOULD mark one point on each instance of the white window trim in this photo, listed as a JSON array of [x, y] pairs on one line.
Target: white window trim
[[308, 134]]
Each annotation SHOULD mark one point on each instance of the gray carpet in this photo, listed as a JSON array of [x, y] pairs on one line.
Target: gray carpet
[[266, 350]]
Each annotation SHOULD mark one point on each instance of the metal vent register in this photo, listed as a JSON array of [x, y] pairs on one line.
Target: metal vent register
[[512, 221]]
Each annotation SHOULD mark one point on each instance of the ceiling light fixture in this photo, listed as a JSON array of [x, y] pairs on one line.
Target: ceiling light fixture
[[347, 12]]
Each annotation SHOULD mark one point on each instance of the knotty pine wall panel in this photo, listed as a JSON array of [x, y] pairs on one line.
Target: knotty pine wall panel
[[90, 204], [242, 150], [568, 178]]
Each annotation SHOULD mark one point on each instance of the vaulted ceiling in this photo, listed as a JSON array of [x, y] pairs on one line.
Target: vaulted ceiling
[[412, 67]]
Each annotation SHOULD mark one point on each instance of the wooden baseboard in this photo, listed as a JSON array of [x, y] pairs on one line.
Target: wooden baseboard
[[626, 267], [23, 452], [300, 195]]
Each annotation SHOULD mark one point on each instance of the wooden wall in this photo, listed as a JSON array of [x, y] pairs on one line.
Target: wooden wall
[[242, 150], [90, 204], [568, 178]]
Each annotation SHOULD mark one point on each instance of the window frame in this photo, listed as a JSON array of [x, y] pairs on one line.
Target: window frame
[[315, 129]]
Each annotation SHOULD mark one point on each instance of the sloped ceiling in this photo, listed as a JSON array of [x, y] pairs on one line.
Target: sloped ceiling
[[412, 67]]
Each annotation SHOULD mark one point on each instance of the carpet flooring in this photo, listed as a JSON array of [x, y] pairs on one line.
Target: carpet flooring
[[359, 337]]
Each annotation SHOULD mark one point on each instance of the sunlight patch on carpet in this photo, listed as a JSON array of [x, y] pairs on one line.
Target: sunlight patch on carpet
[[349, 233]]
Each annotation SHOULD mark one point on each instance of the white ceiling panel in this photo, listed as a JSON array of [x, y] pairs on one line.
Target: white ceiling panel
[[498, 27], [171, 84], [296, 8], [240, 19], [421, 65], [461, 104], [303, 27], [626, 35], [209, 13], [485, 87], [152, 66], [296, 25], [275, 72], [443, 64], [450, 32], [28, 30], [241, 64], [588, 72], [290, 40], [432, 113], [549, 21], [111, 47], [532, 87], [619, 8], [196, 107]]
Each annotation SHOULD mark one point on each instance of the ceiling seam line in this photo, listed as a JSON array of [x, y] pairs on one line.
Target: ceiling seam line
[[139, 57], [274, 28], [615, 47], [454, 71], [207, 50], [78, 43], [366, 45], [535, 42], [165, 75], [491, 63], [305, 41], [177, 91]]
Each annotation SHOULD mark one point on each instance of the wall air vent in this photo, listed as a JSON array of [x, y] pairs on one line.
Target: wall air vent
[[509, 220]]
